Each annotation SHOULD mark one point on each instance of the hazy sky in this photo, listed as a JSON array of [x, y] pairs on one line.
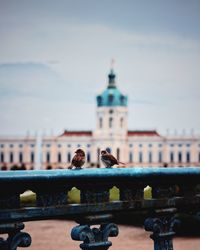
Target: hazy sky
[[55, 57]]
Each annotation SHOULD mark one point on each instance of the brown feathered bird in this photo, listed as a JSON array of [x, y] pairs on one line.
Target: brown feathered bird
[[78, 160], [109, 160]]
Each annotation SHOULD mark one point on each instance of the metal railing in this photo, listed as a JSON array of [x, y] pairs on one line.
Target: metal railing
[[174, 190]]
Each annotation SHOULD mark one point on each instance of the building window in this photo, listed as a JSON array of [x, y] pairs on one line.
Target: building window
[[179, 157], [100, 122], [98, 155], [188, 145], [159, 145], [171, 157], [88, 157], [160, 157], [122, 99], [32, 145], [2, 157], [2, 146], [109, 150], [150, 145], [111, 111], [188, 157], [140, 157], [110, 122], [118, 154], [99, 100], [20, 157], [88, 145], [48, 157], [11, 157], [20, 145], [110, 98], [140, 145], [130, 145], [32, 157], [150, 157], [171, 145], [59, 145], [69, 146], [121, 122], [69, 157], [48, 145], [130, 157], [11, 145], [59, 157]]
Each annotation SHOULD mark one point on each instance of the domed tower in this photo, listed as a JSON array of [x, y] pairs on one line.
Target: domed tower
[[111, 117]]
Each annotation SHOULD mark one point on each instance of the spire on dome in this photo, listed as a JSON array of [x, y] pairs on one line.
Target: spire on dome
[[111, 76]]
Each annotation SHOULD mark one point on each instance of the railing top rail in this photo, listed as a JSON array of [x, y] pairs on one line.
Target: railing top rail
[[117, 174]]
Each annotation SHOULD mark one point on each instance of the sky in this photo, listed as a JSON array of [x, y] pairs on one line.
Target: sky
[[55, 57]]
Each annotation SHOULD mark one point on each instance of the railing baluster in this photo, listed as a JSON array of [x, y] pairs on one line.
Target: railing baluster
[[95, 238], [16, 238]]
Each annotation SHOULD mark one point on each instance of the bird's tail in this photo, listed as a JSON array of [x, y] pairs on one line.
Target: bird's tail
[[122, 163]]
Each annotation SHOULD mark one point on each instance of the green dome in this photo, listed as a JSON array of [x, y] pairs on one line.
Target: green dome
[[111, 96]]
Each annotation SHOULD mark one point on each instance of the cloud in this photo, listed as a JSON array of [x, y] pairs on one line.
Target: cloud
[[55, 67]]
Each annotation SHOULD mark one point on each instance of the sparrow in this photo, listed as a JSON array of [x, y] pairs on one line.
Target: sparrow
[[78, 160], [109, 160]]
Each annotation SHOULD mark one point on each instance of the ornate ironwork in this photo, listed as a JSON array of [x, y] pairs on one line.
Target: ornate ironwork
[[170, 190], [16, 238], [163, 231], [94, 238]]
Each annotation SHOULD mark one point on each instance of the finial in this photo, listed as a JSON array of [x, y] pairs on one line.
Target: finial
[[111, 76], [112, 64]]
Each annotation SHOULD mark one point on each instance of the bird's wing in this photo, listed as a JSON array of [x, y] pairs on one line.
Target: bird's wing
[[111, 158], [78, 160]]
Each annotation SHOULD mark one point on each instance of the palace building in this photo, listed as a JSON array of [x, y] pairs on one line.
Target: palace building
[[133, 147]]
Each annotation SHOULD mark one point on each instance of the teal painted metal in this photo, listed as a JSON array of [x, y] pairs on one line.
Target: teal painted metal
[[157, 175], [174, 190]]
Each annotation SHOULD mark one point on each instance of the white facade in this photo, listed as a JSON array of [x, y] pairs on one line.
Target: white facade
[[18, 151], [135, 148]]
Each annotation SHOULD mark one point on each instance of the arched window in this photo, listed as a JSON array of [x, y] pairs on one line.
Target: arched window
[[48, 157], [2, 157], [20, 157], [130, 157], [99, 100], [188, 157], [109, 150], [140, 157], [110, 98], [179, 157], [121, 122], [100, 122], [150, 157], [69, 157], [88, 157], [59, 157], [98, 155], [171, 157], [122, 98], [11, 157], [110, 122], [118, 154], [32, 157], [160, 156]]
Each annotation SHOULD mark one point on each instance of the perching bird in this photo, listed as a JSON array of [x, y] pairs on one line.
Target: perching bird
[[109, 160], [78, 160]]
